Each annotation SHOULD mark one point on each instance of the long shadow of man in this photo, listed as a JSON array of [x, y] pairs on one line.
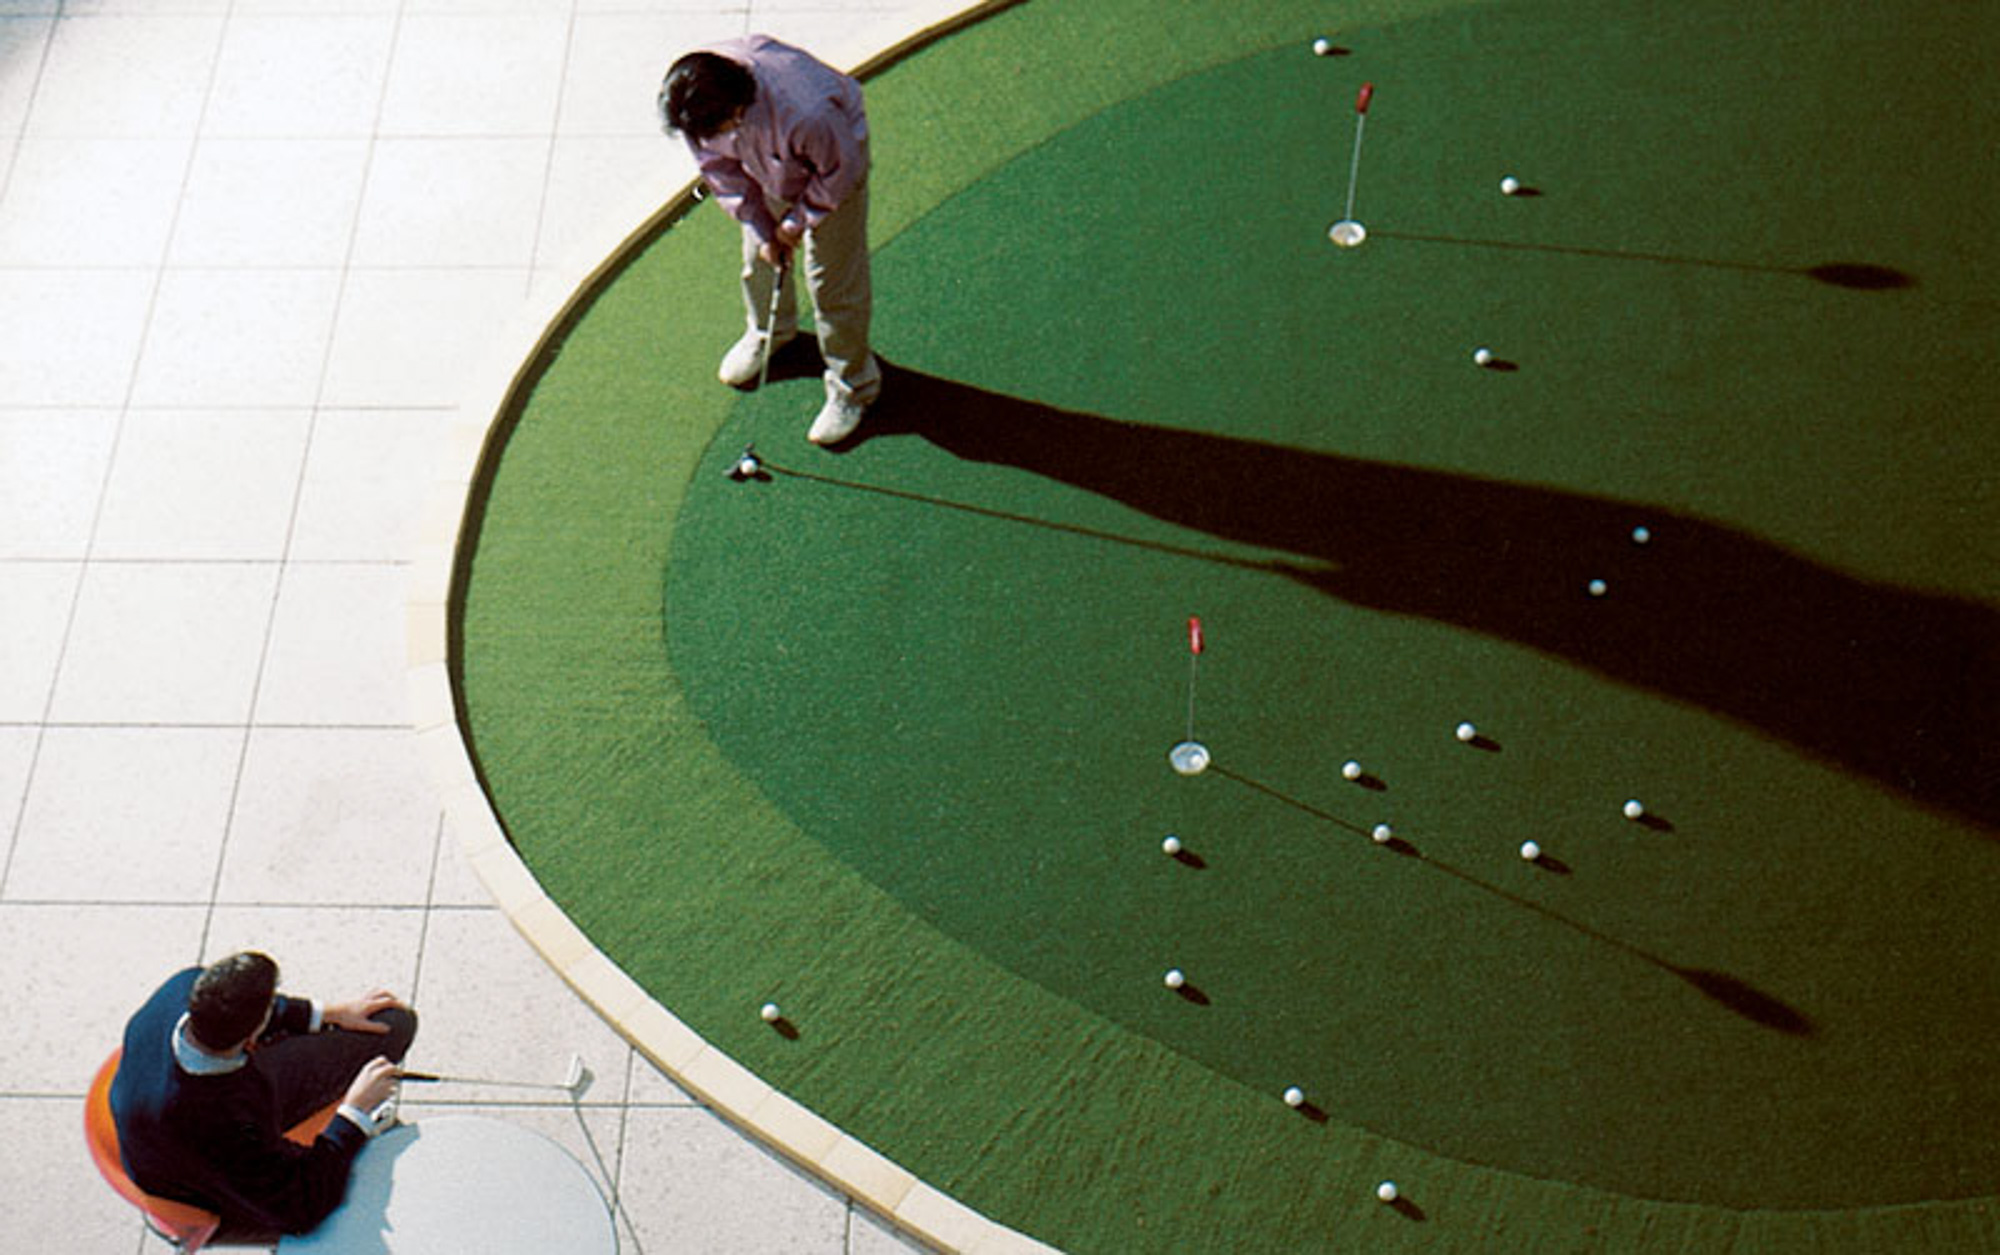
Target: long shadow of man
[[1899, 685]]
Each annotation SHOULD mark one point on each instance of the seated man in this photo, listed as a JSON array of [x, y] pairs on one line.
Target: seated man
[[218, 1065]]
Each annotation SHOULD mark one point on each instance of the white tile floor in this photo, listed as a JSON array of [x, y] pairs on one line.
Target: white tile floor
[[249, 252]]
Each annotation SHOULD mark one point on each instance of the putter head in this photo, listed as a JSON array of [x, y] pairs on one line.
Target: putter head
[[747, 465], [578, 1078]]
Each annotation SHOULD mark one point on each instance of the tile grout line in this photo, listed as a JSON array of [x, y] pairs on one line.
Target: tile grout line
[[28, 115], [617, 1182], [305, 453], [172, 725], [251, 904], [549, 154], [158, 271], [430, 904]]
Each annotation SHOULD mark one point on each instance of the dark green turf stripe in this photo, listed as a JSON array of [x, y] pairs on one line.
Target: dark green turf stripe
[[1054, 1118]]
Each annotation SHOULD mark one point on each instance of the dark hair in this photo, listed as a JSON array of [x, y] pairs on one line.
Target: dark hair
[[702, 92], [229, 999]]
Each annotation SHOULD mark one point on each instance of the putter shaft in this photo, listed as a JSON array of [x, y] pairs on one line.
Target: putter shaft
[[770, 326]]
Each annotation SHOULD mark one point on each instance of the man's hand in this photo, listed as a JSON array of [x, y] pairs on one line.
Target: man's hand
[[777, 251], [373, 1085], [354, 1015]]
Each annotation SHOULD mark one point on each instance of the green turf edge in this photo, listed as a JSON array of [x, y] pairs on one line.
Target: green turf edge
[[1142, 1150]]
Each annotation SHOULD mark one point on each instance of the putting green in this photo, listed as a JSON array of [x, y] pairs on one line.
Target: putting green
[[883, 737]]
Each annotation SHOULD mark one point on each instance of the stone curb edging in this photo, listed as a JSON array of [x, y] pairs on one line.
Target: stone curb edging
[[727, 1087]]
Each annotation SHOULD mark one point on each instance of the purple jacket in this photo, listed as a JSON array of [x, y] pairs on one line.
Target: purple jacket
[[803, 142]]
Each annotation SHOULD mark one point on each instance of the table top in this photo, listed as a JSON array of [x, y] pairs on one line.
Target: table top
[[452, 1184]]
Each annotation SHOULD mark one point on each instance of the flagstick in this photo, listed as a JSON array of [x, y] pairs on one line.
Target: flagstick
[[1190, 757], [1194, 665]]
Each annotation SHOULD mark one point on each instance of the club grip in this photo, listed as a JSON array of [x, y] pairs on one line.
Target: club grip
[[1194, 634], [1363, 97]]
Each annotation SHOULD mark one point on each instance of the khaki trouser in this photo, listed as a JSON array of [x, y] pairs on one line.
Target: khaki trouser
[[835, 254]]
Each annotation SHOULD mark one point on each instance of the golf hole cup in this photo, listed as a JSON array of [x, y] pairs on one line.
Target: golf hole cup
[[1347, 233], [1189, 758]]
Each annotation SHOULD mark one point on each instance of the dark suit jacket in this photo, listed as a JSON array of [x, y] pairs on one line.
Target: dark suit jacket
[[215, 1141]]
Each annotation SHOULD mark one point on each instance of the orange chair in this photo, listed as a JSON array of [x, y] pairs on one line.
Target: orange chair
[[188, 1227]]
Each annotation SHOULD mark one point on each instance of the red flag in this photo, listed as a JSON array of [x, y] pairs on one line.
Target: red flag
[[1363, 97], [1194, 633]]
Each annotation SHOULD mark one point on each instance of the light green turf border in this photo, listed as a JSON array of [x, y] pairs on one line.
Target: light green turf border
[[727, 1087], [744, 1098]]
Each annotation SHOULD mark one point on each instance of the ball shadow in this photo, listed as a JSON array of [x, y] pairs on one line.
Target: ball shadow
[[1192, 993]]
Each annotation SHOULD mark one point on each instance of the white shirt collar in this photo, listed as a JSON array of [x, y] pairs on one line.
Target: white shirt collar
[[198, 1062]]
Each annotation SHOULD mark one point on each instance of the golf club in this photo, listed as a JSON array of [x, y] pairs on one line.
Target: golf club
[[575, 1081], [770, 325]]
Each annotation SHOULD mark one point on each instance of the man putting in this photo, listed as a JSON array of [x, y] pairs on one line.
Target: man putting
[[782, 142]]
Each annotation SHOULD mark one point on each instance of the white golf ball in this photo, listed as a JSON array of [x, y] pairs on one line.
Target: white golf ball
[[770, 1013], [1175, 978], [1387, 1192], [1322, 47], [1598, 588], [1382, 834], [1350, 770], [1530, 851], [1482, 357], [1295, 1097], [1509, 185], [1172, 845], [747, 467], [1634, 810], [1466, 732], [1641, 535]]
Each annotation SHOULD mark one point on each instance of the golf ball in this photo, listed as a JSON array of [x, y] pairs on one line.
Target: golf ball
[[1350, 770], [1175, 978], [1509, 185], [1530, 851], [1295, 1097], [1387, 1192], [1382, 834], [1598, 588], [1482, 357], [1640, 535], [770, 1012], [1466, 732], [1322, 47], [1172, 845], [1634, 810]]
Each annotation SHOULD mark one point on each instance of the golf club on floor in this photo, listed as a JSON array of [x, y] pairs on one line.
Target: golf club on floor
[[575, 1081]]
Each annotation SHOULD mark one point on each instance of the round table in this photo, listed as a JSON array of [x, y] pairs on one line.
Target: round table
[[464, 1183]]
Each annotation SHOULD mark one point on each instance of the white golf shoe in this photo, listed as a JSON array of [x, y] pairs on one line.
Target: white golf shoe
[[837, 419], [746, 357]]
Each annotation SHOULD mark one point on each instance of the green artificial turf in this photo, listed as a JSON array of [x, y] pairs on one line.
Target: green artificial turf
[[883, 738]]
